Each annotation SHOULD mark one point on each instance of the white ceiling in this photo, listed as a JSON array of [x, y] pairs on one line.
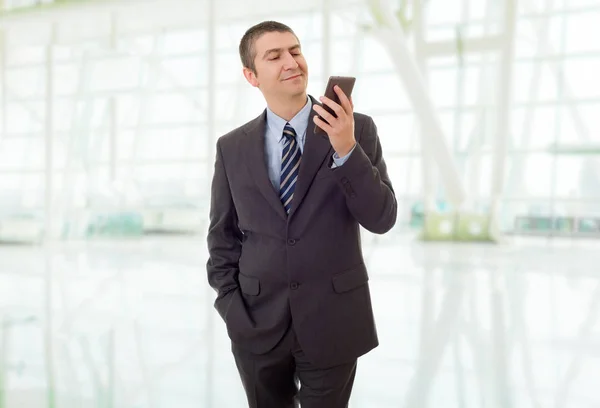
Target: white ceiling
[[93, 18]]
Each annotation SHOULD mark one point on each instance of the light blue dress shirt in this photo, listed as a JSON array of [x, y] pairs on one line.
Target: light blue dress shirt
[[274, 140]]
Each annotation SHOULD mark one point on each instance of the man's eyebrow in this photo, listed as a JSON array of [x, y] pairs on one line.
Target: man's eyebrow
[[294, 47]]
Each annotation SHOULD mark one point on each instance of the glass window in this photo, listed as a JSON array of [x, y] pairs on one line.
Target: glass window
[[439, 12], [24, 54], [406, 174], [67, 78], [343, 59], [398, 133], [442, 86], [536, 37], [580, 32], [114, 74], [375, 57], [174, 108], [229, 68], [581, 77], [182, 72], [184, 42], [534, 127], [533, 176], [26, 82], [24, 117], [534, 82], [382, 92]]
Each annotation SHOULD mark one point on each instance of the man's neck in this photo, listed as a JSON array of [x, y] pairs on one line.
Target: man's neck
[[288, 108]]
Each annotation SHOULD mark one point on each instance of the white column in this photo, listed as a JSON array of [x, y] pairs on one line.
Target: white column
[[48, 136], [48, 326], [504, 99], [4, 84], [112, 110], [112, 139], [211, 97], [3, 360], [427, 160], [211, 138], [326, 40], [48, 225]]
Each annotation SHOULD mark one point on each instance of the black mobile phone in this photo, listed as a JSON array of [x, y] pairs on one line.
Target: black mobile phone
[[346, 84]]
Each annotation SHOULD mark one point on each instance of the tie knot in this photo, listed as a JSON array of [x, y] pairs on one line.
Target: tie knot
[[289, 131]]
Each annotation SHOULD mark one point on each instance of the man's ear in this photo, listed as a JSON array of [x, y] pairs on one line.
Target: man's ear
[[250, 76]]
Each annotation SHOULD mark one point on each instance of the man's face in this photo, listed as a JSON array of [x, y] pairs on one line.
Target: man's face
[[281, 70]]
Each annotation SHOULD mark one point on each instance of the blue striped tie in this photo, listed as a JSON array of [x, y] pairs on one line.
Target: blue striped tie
[[290, 163]]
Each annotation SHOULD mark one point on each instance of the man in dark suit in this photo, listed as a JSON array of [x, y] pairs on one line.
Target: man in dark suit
[[284, 237]]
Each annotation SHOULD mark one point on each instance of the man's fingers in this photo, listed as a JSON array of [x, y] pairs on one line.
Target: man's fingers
[[322, 124], [324, 114], [334, 106], [343, 99]]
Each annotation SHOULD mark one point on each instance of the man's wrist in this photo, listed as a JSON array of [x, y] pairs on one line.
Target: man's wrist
[[346, 150]]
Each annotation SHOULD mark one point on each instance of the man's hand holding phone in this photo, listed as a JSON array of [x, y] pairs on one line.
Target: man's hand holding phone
[[340, 129]]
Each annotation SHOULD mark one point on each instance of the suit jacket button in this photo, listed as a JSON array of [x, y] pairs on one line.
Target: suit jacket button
[[291, 241], [294, 285]]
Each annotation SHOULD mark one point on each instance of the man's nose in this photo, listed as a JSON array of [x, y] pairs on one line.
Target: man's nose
[[290, 62]]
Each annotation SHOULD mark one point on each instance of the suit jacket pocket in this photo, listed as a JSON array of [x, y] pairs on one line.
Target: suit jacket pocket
[[351, 279], [249, 284]]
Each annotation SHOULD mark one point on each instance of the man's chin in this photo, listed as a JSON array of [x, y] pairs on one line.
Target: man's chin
[[298, 87], [299, 92], [290, 93]]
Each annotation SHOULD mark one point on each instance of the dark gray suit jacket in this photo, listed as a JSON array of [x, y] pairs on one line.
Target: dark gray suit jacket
[[271, 270]]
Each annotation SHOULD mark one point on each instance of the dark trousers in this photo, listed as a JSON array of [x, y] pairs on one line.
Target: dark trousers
[[283, 378]]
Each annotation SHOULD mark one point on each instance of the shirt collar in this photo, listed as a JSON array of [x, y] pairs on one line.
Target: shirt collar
[[298, 122]]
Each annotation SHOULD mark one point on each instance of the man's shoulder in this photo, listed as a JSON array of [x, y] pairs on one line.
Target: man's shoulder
[[362, 121], [361, 117], [247, 128]]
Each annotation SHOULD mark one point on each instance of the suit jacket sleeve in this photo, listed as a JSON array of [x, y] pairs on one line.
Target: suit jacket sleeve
[[224, 238], [366, 184]]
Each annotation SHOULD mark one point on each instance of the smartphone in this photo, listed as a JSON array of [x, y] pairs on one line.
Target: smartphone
[[346, 84]]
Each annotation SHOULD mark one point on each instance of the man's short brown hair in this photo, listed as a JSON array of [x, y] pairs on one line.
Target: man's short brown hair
[[247, 51]]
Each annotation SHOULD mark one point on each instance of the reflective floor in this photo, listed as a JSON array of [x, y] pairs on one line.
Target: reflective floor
[[131, 324]]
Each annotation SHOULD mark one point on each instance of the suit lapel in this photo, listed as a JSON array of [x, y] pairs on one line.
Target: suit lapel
[[316, 149], [256, 163]]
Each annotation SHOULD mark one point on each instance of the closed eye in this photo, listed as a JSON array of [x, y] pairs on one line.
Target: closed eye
[[295, 54]]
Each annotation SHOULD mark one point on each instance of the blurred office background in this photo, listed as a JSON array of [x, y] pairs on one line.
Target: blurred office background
[[486, 293]]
